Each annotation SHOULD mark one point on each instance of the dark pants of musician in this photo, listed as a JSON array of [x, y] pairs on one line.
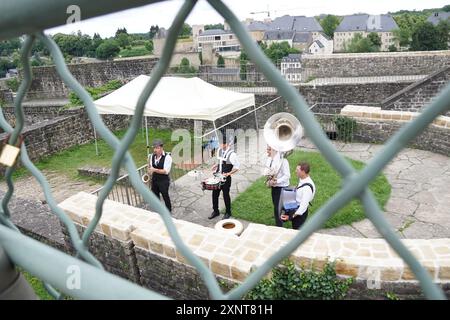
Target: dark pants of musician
[[276, 194], [225, 188], [161, 186], [298, 221]]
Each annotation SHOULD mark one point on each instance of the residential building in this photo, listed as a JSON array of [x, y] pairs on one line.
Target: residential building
[[12, 73], [285, 28], [437, 17], [222, 40], [297, 23], [276, 36], [383, 25], [257, 30], [291, 68], [302, 40], [321, 45]]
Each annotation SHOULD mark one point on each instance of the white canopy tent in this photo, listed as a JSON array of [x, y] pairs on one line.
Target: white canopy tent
[[173, 97]]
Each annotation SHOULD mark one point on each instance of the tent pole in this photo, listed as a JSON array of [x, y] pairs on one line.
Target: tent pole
[[146, 136], [215, 130], [96, 144], [256, 119]]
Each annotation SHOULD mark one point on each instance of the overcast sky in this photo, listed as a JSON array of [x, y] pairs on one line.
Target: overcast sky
[[139, 20]]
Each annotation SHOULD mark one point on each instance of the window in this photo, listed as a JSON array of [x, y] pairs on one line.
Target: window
[[230, 37], [217, 38]]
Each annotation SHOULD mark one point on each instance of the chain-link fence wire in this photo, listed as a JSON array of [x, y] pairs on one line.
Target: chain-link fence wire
[[356, 183]]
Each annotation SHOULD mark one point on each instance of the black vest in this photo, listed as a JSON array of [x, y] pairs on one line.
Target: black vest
[[160, 165], [226, 164]]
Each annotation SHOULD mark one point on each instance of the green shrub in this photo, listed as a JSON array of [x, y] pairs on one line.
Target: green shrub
[[345, 127], [289, 283], [95, 92], [13, 84]]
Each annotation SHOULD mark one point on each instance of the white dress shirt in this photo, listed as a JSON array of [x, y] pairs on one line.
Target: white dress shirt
[[280, 168], [233, 158], [167, 161], [304, 195]]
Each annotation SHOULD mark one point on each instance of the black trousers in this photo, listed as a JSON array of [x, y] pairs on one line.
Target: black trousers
[[298, 221], [276, 194], [225, 188], [161, 186]]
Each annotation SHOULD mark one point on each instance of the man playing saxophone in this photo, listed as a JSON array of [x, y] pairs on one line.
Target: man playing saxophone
[[159, 164]]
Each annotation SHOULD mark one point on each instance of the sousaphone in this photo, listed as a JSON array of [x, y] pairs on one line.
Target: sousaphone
[[283, 132]]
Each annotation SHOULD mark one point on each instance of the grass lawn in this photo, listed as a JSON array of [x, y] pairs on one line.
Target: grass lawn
[[134, 52], [37, 286], [255, 204], [68, 161]]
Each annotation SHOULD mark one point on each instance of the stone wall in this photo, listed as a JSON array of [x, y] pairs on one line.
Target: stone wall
[[37, 114], [418, 95], [47, 84], [161, 266], [350, 93], [377, 126], [51, 136], [374, 64], [6, 96]]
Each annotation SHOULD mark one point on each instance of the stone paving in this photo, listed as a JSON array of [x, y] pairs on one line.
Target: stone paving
[[419, 206]]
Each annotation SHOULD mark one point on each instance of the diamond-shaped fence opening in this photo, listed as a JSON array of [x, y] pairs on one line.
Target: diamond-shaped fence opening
[[47, 13]]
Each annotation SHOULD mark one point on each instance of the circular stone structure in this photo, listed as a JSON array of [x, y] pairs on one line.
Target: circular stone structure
[[230, 226]]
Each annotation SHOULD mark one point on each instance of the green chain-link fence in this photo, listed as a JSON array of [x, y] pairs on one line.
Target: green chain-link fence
[[29, 17]]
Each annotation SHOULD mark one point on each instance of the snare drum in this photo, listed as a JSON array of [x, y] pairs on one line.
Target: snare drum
[[213, 183]]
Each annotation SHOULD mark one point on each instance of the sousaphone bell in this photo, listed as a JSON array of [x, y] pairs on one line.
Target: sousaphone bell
[[283, 132]]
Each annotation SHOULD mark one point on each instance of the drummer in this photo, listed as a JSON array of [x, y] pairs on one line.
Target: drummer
[[227, 166]]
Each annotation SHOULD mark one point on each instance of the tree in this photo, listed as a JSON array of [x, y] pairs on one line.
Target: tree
[[149, 45], [375, 39], [446, 8], [243, 61], [443, 29], [5, 64], [153, 31], [329, 25], [123, 40], [427, 37], [108, 49], [221, 62], [358, 43], [214, 26], [119, 31], [185, 68], [392, 48], [276, 51], [186, 30], [403, 37], [76, 45], [407, 22], [7, 47]]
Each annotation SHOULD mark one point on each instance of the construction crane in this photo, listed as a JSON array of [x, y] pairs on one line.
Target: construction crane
[[257, 12]]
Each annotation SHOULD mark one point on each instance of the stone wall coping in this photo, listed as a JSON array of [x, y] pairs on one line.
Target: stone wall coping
[[235, 257], [375, 113], [378, 54]]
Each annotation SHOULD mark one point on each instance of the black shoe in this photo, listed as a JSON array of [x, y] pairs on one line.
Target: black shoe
[[226, 216], [213, 215]]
